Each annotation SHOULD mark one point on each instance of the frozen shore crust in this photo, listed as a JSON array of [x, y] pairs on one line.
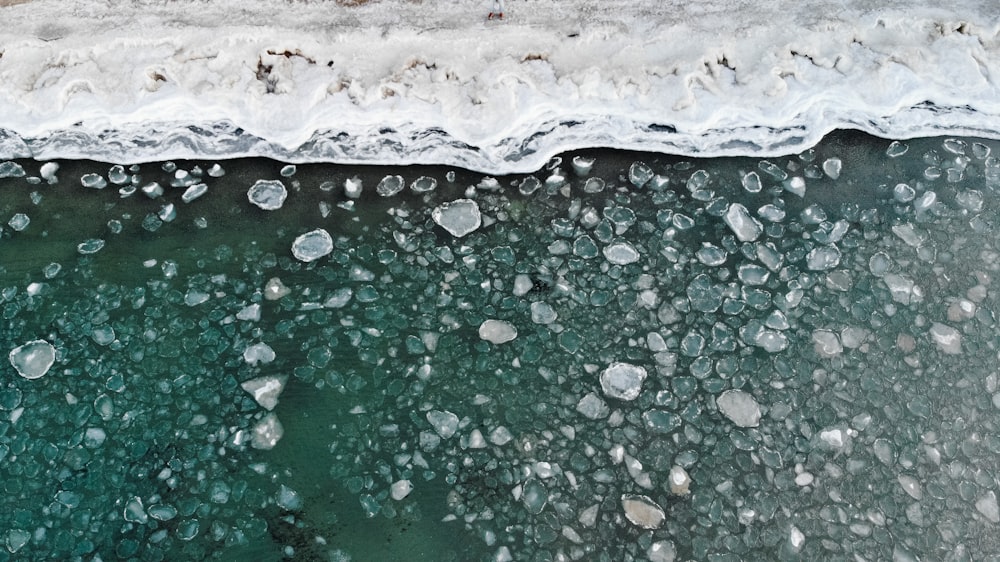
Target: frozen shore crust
[[401, 82]]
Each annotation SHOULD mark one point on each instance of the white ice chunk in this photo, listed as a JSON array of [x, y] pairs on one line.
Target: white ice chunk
[[274, 289], [259, 352], [823, 258], [267, 432], [903, 289], [497, 331], [593, 407], [444, 423], [832, 167], [267, 194], [680, 481], [826, 343], [312, 245], [661, 551], [621, 253], [389, 186], [542, 313], [400, 489], [746, 228], [623, 381], [288, 499], [194, 192], [48, 172], [458, 217], [948, 339], [643, 511], [33, 359], [740, 407], [249, 313], [911, 486], [987, 505], [265, 390]]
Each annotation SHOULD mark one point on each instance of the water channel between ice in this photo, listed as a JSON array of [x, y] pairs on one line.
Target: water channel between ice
[[620, 357]]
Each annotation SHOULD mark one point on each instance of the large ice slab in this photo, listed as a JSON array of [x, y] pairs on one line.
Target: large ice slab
[[391, 82]]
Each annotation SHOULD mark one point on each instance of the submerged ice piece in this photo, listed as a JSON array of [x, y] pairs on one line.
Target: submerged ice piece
[[459, 217], [33, 359]]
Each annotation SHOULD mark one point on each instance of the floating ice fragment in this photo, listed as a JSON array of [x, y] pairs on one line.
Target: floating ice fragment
[[93, 181], [542, 313], [162, 512], [312, 245], [400, 489], [48, 172], [623, 381], [534, 496], [529, 185], [444, 423], [902, 289], [987, 505], [274, 289], [117, 175], [582, 165], [832, 167], [796, 186], [390, 185], [896, 149], [194, 192], [911, 486], [267, 432], [591, 406], [216, 171], [680, 481], [265, 390], [288, 499], [740, 407], [288, 170], [458, 217], [497, 331], [948, 339], [259, 352], [593, 185], [661, 551], [33, 359], [751, 182], [746, 228], [642, 511], [267, 194], [639, 174], [771, 341], [134, 511], [19, 222], [423, 184], [773, 170], [826, 343], [353, 187], [823, 258], [11, 170], [621, 253]]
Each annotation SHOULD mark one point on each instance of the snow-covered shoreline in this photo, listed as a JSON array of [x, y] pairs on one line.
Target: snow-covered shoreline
[[398, 82]]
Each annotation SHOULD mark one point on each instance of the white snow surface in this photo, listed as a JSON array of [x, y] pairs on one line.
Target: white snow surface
[[418, 81]]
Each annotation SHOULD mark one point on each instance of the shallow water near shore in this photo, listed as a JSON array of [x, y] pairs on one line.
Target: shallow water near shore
[[623, 356]]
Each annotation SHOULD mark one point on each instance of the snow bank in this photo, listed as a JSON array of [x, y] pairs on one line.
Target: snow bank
[[400, 82]]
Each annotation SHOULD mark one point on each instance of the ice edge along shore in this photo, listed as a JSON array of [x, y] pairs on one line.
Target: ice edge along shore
[[499, 100]]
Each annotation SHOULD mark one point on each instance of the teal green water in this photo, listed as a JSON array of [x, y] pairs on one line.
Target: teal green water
[[858, 318]]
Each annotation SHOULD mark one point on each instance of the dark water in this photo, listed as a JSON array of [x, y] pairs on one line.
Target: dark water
[[859, 320]]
